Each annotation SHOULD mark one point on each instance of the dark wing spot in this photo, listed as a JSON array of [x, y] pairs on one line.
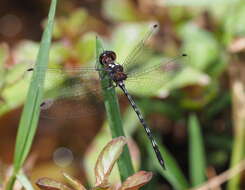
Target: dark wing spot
[[30, 69], [155, 26]]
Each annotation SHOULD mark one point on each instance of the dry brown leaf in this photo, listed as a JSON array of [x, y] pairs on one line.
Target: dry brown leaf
[[136, 181], [106, 160], [74, 182], [50, 184], [237, 45]]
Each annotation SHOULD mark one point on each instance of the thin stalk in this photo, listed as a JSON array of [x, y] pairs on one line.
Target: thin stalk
[[114, 118], [238, 153]]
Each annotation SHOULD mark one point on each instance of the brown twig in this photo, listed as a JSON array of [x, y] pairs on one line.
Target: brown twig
[[225, 176]]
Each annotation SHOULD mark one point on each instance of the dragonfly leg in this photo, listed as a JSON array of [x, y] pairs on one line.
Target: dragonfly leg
[[103, 75], [111, 85]]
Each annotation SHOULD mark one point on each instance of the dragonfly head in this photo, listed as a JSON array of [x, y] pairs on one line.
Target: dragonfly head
[[107, 57]]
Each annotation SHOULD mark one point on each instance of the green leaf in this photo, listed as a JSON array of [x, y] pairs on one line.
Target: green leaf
[[30, 114], [120, 10], [173, 173], [71, 25], [197, 161], [201, 46], [171, 110], [15, 80], [4, 53], [114, 119], [26, 52], [85, 47], [234, 21], [193, 2]]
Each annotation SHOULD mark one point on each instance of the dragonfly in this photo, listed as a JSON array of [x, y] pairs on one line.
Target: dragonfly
[[83, 82]]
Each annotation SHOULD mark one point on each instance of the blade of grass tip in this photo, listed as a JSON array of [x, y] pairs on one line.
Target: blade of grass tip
[[114, 119], [197, 159], [30, 114], [173, 173]]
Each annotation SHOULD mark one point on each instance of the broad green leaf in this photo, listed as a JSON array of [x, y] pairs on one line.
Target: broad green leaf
[[197, 159]]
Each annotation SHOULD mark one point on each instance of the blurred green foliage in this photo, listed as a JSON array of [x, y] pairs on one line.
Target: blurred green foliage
[[205, 30]]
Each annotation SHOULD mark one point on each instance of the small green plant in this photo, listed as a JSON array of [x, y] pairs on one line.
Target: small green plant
[[103, 167]]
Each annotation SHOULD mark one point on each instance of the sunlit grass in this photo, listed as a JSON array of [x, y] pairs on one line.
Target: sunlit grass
[[30, 115]]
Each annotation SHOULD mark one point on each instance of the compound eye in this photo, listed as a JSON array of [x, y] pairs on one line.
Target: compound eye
[[107, 57], [112, 54]]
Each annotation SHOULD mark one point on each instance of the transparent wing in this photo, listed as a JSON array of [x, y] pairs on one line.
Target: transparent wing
[[159, 75], [140, 48], [70, 93], [172, 65]]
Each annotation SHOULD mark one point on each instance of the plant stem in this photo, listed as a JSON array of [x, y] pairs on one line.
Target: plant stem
[[238, 108], [114, 119]]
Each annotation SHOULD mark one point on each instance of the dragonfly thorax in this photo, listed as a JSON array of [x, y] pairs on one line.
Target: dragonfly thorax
[[116, 72]]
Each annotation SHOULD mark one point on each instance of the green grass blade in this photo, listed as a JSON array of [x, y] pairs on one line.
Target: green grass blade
[[114, 119], [173, 173], [197, 160], [30, 114]]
